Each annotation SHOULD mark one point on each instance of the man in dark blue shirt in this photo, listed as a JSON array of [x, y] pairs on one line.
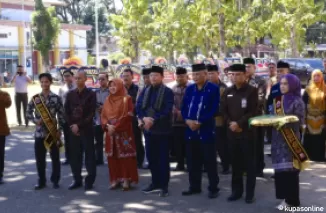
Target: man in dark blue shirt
[[133, 89], [283, 68], [154, 110], [200, 105]]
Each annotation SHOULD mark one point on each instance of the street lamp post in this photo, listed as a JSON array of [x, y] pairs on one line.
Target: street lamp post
[[96, 34]]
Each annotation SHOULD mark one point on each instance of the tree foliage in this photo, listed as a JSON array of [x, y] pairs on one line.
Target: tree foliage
[[212, 26], [45, 29], [83, 12]]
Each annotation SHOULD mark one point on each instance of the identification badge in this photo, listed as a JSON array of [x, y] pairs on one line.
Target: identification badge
[[244, 103], [230, 95]]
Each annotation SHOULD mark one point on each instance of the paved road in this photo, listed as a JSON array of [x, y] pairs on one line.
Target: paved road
[[17, 194]]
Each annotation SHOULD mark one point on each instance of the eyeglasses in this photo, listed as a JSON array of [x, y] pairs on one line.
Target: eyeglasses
[[101, 79]]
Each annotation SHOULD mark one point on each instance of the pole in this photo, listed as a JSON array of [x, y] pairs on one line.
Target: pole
[[96, 34], [31, 46], [24, 34]]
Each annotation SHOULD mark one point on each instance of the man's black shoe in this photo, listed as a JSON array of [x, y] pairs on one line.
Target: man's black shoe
[[1, 181], [88, 187], [212, 195], [179, 169], [56, 186], [150, 189], [234, 197], [250, 200], [75, 185], [66, 162], [226, 172], [190, 192], [99, 163], [164, 193], [260, 174], [39, 186]]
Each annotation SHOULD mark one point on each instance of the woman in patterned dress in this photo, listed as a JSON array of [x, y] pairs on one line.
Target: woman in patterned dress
[[286, 175], [116, 119], [315, 100]]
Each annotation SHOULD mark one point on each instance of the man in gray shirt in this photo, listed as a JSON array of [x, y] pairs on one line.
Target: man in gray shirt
[[68, 77], [21, 81], [101, 95]]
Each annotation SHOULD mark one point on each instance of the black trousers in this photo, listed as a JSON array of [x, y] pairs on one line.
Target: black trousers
[[243, 160], [157, 152], [2, 154], [83, 145], [140, 150], [66, 134], [287, 187], [201, 154], [21, 99], [40, 157], [223, 147], [259, 141], [179, 142], [99, 137]]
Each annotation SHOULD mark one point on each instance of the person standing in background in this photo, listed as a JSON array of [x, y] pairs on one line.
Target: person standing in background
[[68, 77], [221, 137], [80, 109], [21, 81], [133, 89], [5, 102], [179, 126], [259, 83], [314, 98], [101, 95]]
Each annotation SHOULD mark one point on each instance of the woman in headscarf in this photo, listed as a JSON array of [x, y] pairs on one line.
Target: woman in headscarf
[[315, 101], [286, 161], [116, 119]]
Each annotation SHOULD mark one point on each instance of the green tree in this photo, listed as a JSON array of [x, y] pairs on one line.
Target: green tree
[[45, 29], [130, 26], [289, 22], [83, 12]]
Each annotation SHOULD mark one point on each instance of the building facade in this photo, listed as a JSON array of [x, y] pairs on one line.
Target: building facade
[[15, 38]]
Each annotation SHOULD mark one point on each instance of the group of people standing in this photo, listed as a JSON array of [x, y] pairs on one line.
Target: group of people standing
[[203, 118]]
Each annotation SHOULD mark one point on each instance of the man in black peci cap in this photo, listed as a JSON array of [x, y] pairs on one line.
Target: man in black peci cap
[[200, 104], [179, 126], [154, 110], [221, 140], [259, 83], [239, 104]]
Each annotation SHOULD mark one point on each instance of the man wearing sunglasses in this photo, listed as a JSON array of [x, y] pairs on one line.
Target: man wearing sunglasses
[[101, 95]]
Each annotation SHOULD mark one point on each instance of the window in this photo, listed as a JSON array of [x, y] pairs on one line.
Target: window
[[301, 64], [3, 35]]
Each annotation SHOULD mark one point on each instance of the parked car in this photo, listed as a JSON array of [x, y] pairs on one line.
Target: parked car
[[303, 67], [56, 75]]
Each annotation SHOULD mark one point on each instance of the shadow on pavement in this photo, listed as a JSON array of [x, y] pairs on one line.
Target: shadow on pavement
[[17, 194]]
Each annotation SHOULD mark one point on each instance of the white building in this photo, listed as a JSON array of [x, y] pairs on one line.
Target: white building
[[15, 38]]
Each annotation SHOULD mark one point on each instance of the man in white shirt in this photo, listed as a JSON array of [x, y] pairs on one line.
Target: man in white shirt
[[68, 77], [21, 81]]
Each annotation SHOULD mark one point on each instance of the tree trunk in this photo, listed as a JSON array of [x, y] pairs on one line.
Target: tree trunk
[[222, 52], [171, 57], [294, 48], [135, 58], [45, 62]]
